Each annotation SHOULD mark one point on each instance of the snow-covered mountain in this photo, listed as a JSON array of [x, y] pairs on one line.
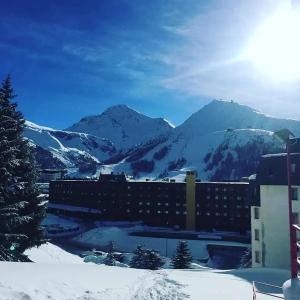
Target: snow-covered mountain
[[125, 127], [220, 155], [56, 148], [222, 141], [222, 115]]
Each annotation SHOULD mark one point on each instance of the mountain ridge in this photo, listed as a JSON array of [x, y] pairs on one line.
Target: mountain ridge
[[222, 141]]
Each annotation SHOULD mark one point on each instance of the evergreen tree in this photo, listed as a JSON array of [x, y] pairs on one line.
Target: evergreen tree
[[110, 259], [21, 210], [137, 260], [152, 260], [146, 259], [182, 259]]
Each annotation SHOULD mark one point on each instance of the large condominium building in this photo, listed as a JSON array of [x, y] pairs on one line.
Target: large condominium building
[[270, 214], [188, 205]]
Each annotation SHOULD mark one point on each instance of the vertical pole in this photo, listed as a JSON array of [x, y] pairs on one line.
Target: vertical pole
[[293, 245]]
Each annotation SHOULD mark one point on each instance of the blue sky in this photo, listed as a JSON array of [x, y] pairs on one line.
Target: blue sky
[[69, 59]]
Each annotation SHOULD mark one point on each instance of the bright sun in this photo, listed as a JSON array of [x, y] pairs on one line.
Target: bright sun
[[275, 49]]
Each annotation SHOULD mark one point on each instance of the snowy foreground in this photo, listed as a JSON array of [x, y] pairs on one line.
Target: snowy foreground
[[62, 276]]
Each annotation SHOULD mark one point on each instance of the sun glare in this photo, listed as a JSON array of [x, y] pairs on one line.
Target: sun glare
[[275, 48]]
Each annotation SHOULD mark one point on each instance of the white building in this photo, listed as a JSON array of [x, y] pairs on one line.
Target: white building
[[270, 216]]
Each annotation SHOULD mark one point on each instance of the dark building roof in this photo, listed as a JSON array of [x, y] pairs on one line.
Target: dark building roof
[[52, 171], [112, 177], [273, 169]]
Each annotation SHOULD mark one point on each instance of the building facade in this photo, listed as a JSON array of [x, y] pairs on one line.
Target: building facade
[[188, 205], [270, 215], [46, 175]]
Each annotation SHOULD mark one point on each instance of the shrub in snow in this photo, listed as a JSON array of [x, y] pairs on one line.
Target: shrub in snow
[[109, 260], [146, 259], [152, 260], [183, 258], [137, 260]]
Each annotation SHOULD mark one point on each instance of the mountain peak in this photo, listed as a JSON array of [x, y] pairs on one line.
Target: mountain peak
[[118, 108], [125, 126], [228, 105], [220, 115]]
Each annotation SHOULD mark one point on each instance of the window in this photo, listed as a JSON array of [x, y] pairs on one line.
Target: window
[[295, 218], [177, 212], [256, 213], [140, 211], [147, 203], [177, 204], [294, 193], [257, 257], [158, 211], [140, 203], [256, 234], [128, 210], [293, 168]]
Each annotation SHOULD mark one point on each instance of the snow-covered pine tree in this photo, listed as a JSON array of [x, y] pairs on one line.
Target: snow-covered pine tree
[[21, 210], [152, 260], [182, 259], [137, 260]]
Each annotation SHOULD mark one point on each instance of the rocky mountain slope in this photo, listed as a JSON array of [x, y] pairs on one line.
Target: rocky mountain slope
[[63, 149]]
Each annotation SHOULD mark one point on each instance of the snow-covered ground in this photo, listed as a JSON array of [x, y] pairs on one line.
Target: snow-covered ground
[[51, 254], [58, 277], [61, 226], [101, 236]]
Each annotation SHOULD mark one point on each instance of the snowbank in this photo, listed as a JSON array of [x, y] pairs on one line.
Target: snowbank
[[90, 281], [49, 253]]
